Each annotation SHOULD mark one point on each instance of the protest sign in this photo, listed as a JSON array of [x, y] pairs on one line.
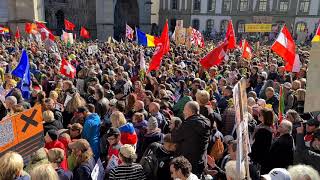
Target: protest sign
[[93, 49], [258, 27]]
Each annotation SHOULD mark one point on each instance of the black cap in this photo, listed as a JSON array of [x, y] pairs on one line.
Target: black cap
[[113, 132], [53, 134], [313, 122]]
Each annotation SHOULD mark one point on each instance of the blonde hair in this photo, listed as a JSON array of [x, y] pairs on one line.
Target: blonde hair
[[44, 171], [301, 94], [53, 95], [202, 97], [56, 155], [231, 170], [117, 119], [296, 85], [48, 116], [11, 165], [300, 171], [76, 102]]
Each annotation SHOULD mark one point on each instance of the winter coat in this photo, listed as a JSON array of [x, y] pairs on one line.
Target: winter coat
[[178, 107], [91, 132], [84, 170], [55, 125]]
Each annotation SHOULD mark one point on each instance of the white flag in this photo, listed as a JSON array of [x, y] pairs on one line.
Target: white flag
[[297, 64]]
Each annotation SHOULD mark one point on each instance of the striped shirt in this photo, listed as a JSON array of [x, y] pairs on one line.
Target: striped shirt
[[127, 172]]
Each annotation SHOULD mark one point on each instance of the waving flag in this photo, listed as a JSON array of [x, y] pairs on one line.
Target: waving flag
[[23, 71], [128, 134], [215, 57], [69, 25], [17, 35], [145, 39], [197, 38], [31, 28], [84, 33], [129, 32], [230, 36], [4, 30], [246, 50], [285, 47], [45, 32], [163, 46], [316, 38], [67, 69]]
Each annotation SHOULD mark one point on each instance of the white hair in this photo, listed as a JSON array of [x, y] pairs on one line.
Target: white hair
[[231, 170], [288, 125], [301, 172], [13, 99]]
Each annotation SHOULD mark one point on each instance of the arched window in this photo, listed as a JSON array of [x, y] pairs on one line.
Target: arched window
[[211, 5], [301, 27], [283, 5], [304, 6], [223, 25], [241, 26], [174, 4], [263, 5], [196, 24], [196, 5], [209, 25]]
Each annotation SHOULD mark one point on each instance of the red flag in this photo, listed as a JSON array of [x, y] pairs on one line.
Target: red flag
[[285, 47], [84, 33], [17, 35], [246, 50], [215, 57], [67, 69], [69, 25], [197, 38], [163, 46], [230, 36], [30, 28], [45, 32]]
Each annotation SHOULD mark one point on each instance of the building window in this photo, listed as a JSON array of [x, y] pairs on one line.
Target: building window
[[263, 5], [174, 4], [284, 5], [301, 27], [226, 5], [241, 26], [211, 5], [196, 24], [196, 5], [244, 5], [223, 25], [304, 6], [209, 25]]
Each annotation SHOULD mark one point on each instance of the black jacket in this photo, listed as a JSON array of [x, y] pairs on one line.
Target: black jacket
[[192, 139], [281, 152], [55, 125], [83, 171], [102, 107]]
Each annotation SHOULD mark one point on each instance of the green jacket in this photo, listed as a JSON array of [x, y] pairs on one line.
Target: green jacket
[[178, 107]]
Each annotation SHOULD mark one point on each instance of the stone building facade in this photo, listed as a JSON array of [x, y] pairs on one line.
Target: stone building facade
[[213, 15]]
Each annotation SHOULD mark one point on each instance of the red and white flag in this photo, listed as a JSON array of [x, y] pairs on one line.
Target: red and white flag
[[230, 36], [45, 32], [129, 32], [67, 69], [285, 47], [197, 38], [69, 25], [246, 50], [17, 35], [215, 57]]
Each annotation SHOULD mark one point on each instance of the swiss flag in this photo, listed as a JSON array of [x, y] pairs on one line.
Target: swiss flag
[[69, 25], [163, 46], [45, 32], [246, 50], [230, 36], [67, 69], [17, 35], [84, 33], [285, 47], [215, 57]]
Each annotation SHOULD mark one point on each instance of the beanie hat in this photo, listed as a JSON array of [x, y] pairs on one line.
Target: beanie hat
[[152, 123]]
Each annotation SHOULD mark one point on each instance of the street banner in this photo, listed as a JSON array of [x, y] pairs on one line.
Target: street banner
[[180, 36], [258, 27]]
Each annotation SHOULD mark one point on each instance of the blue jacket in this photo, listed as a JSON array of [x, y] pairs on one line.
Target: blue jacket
[[91, 132]]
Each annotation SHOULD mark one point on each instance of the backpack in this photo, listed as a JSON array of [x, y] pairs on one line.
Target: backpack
[[151, 163]]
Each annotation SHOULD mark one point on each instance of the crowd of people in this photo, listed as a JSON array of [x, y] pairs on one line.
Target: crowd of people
[[114, 121]]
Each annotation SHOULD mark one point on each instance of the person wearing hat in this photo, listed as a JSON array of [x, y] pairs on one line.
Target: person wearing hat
[[277, 174], [127, 168], [84, 160], [56, 156], [51, 141], [311, 125]]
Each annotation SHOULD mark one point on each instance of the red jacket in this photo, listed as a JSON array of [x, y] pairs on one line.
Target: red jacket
[[58, 144]]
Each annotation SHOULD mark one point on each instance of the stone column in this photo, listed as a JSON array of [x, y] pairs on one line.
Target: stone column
[[104, 19]]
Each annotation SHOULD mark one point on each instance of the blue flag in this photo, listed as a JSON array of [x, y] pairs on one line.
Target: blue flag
[[23, 71]]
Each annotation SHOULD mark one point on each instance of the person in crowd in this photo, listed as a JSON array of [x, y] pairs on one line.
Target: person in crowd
[[139, 107], [277, 173], [289, 97], [10, 102], [102, 103], [175, 123], [192, 137], [311, 125], [282, 149], [128, 134], [44, 171], [91, 131], [262, 138], [139, 91], [228, 116], [154, 109], [75, 131], [52, 106], [113, 137], [295, 119], [56, 156], [127, 169], [37, 158], [298, 172], [180, 168], [11, 164], [178, 107], [231, 171], [75, 102], [49, 122], [223, 103], [85, 161], [203, 98], [272, 99]]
